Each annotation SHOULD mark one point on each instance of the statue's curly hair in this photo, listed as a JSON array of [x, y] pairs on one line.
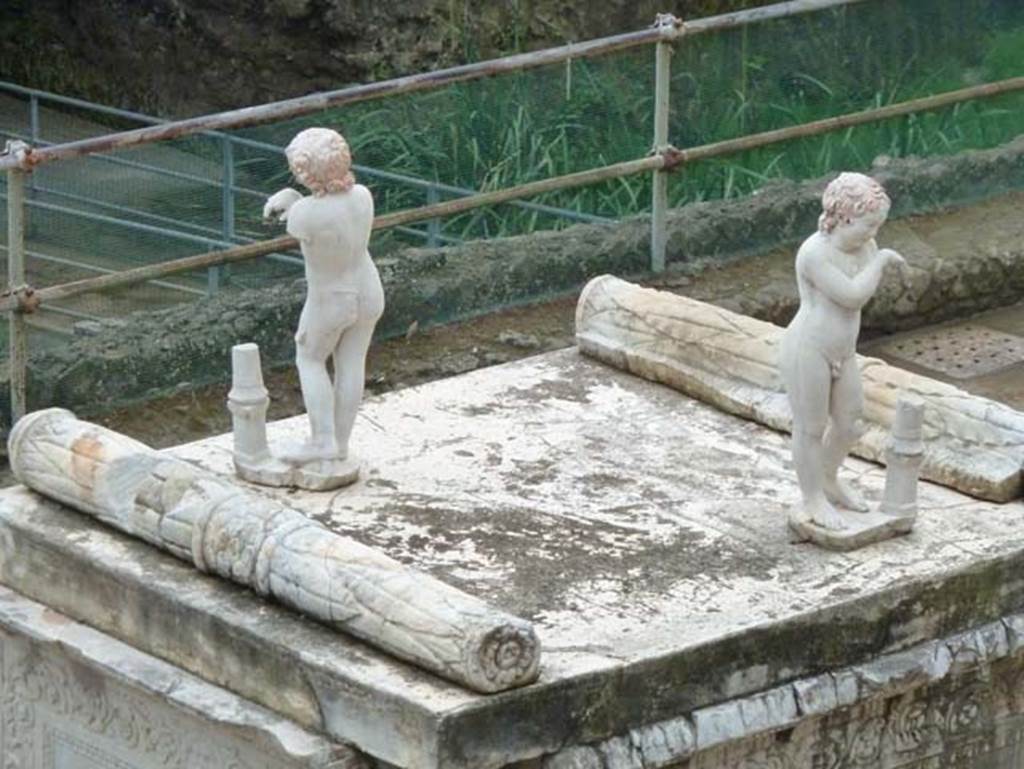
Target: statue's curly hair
[[848, 196], [321, 160]]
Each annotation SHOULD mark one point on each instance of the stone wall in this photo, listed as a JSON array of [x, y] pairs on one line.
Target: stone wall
[[74, 698], [71, 696], [957, 703], [148, 354]]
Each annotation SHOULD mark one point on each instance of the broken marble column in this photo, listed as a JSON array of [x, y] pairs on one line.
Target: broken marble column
[[973, 444], [226, 530], [903, 460], [248, 401]]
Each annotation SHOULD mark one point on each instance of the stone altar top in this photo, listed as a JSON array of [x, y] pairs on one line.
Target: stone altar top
[[639, 530]]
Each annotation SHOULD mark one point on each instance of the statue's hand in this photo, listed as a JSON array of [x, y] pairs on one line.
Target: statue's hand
[[277, 205], [891, 257]]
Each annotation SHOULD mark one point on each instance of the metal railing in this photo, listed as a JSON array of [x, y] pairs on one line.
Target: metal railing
[[127, 217], [226, 235], [20, 160]]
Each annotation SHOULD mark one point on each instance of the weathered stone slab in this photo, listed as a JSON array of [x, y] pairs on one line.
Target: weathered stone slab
[[972, 444], [797, 724], [650, 552], [322, 680], [73, 697], [972, 718]]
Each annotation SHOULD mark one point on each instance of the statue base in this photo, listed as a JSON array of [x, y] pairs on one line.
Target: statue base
[[314, 475], [861, 529]]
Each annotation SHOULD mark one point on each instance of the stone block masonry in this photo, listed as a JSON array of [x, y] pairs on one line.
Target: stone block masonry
[[74, 697]]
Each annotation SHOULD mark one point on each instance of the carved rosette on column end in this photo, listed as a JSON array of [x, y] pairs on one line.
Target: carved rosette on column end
[[502, 657]]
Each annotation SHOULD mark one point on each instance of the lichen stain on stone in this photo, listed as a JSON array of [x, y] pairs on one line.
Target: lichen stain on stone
[[528, 473], [495, 454], [574, 388], [373, 483], [478, 410], [571, 390], [531, 563], [594, 483]]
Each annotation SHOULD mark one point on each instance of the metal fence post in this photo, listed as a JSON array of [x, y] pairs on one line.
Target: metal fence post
[[213, 272], [227, 190], [34, 130], [433, 225], [17, 361], [659, 179], [217, 275]]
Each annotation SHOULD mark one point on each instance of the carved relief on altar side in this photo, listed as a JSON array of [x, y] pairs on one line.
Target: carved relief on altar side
[[57, 714]]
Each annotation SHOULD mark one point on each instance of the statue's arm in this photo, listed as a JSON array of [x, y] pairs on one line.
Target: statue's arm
[[852, 293], [279, 203]]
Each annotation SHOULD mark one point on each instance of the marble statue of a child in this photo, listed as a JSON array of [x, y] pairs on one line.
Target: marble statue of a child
[[838, 269], [344, 296]]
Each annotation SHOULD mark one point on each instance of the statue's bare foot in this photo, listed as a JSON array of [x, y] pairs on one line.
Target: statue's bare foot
[[310, 451], [841, 493], [824, 515]]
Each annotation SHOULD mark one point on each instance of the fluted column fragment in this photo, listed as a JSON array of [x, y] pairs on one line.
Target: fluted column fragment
[[226, 530], [972, 444]]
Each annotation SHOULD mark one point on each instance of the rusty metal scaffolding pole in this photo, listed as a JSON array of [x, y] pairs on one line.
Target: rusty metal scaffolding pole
[[287, 243], [18, 352], [851, 119], [758, 15], [317, 102], [305, 105], [659, 178], [670, 159]]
